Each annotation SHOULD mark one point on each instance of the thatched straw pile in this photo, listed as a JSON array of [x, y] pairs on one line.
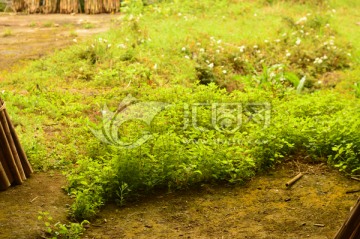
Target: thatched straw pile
[[67, 6]]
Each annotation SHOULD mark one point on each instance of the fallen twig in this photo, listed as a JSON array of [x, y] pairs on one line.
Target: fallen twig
[[353, 191], [354, 178], [294, 179]]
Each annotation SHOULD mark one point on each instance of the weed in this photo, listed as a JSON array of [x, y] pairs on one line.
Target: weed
[[7, 33]]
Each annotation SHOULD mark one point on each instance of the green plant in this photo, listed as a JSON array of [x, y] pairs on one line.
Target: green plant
[[48, 24], [7, 33], [61, 231]]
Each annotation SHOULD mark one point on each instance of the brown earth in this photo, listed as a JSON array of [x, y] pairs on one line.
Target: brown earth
[[24, 37], [262, 208]]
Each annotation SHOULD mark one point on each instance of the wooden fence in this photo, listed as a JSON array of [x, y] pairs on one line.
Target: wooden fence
[[66, 6]]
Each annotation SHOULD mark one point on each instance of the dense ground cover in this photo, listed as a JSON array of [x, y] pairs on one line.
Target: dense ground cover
[[280, 76]]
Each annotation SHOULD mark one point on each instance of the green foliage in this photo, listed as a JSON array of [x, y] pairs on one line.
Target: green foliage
[[58, 230]]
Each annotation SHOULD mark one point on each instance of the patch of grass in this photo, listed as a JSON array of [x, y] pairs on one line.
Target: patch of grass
[[88, 25], [48, 24], [7, 33]]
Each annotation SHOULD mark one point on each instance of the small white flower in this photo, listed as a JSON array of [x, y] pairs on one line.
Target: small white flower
[[327, 25], [217, 51], [211, 65], [242, 48], [349, 54], [155, 67], [74, 40], [277, 40], [272, 75], [183, 49], [284, 34], [202, 50], [109, 45], [319, 82], [298, 41], [301, 20], [179, 14], [331, 42], [288, 54], [92, 46], [187, 57], [219, 41], [318, 60], [123, 46], [100, 39], [105, 41], [333, 10], [255, 15], [266, 41], [224, 71], [256, 47], [198, 44], [207, 61], [325, 57]]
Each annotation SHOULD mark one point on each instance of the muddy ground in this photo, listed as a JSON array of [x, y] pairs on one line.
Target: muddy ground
[[315, 207]]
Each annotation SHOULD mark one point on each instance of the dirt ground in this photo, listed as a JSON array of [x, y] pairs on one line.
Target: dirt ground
[[261, 209], [24, 37], [315, 207]]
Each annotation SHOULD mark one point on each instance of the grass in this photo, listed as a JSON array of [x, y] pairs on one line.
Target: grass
[[182, 54], [7, 33]]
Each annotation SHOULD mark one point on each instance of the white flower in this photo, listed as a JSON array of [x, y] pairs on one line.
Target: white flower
[[219, 41], [331, 42], [319, 82], [256, 47], [187, 57], [333, 10], [327, 25], [277, 40], [301, 20], [242, 48], [183, 49], [272, 75], [218, 51], [92, 46], [74, 40], [155, 66], [211, 65], [318, 60], [325, 57], [284, 34], [349, 54], [207, 61], [298, 41], [100, 39], [179, 14], [109, 45], [198, 44], [255, 15], [266, 41], [202, 50], [224, 71], [123, 46], [288, 54]]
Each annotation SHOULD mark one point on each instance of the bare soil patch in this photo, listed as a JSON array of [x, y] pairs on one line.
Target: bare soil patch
[[24, 37]]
